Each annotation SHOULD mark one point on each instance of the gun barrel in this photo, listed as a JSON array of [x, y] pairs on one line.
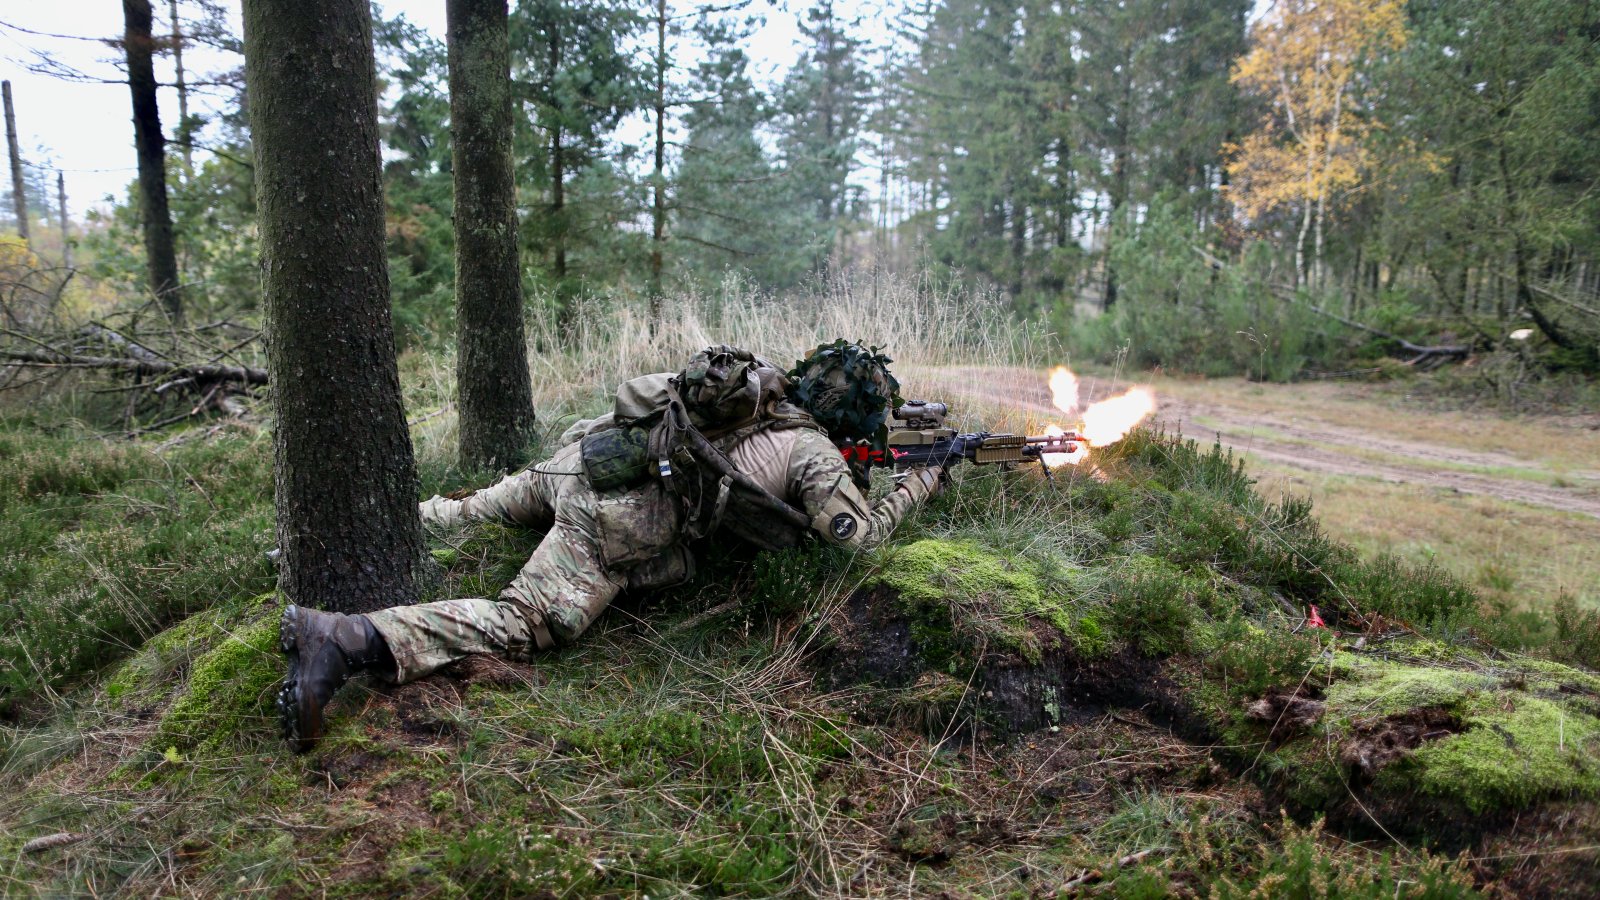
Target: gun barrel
[[983, 448]]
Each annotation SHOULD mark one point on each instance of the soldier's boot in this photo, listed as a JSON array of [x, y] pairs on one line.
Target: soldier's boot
[[324, 650]]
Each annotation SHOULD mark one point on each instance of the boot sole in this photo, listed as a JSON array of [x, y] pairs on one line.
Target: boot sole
[[288, 700]]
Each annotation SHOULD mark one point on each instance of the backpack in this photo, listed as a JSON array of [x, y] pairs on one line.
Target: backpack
[[725, 394]]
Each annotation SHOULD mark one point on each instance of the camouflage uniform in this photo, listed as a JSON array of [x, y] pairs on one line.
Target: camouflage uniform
[[599, 543]]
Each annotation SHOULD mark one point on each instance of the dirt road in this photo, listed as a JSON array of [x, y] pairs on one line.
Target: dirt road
[[1315, 428]]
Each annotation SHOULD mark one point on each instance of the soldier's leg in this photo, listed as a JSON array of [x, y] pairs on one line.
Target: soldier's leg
[[398, 644], [565, 585], [560, 591], [423, 637]]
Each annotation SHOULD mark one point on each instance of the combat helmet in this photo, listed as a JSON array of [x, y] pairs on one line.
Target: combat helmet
[[847, 388]]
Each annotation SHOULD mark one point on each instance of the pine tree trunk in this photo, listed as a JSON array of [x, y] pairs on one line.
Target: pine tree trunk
[[19, 196], [558, 195], [658, 202], [345, 479], [185, 138], [61, 202], [1121, 177], [150, 144], [495, 393]]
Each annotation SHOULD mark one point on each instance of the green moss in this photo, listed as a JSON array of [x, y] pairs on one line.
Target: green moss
[[1514, 751], [935, 570], [228, 686], [1558, 676], [1377, 687], [150, 670], [960, 594], [1522, 739]]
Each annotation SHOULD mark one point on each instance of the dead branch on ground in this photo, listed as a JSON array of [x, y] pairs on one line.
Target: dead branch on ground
[[168, 375]]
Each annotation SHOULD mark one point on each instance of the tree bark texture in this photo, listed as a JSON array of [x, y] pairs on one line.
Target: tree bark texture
[[494, 390], [19, 195], [150, 145], [345, 478]]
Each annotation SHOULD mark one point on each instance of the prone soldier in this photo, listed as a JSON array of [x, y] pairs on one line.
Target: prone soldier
[[732, 446]]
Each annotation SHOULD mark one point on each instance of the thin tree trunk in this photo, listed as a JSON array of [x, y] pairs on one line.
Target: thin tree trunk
[[1300, 244], [185, 139], [19, 196], [61, 203], [1120, 176], [345, 478], [558, 203], [1322, 193], [492, 383], [558, 188], [658, 200], [1019, 248], [151, 147]]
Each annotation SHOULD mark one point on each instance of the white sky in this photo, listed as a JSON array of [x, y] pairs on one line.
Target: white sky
[[85, 128]]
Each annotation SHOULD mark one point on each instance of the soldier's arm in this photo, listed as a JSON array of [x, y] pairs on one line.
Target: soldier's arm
[[819, 479], [514, 500]]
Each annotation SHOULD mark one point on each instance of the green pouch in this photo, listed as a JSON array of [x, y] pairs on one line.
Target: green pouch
[[616, 457]]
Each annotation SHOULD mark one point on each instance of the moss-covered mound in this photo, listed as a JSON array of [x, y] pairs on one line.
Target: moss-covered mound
[[1460, 736], [1171, 588], [967, 634], [204, 677]]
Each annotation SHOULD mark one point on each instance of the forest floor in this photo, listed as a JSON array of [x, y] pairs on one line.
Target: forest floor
[[1508, 503], [1102, 684]]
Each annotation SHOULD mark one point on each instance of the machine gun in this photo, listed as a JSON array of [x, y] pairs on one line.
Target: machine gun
[[918, 436]]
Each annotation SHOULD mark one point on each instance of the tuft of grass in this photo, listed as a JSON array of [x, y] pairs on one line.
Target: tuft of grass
[[1302, 865]]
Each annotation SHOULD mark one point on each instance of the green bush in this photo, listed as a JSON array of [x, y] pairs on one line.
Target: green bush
[[1175, 310]]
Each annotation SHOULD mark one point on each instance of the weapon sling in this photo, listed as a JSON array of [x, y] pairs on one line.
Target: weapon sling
[[675, 423]]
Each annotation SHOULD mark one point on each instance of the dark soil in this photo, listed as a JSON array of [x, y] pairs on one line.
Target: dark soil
[[872, 643], [1286, 713], [1374, 745]]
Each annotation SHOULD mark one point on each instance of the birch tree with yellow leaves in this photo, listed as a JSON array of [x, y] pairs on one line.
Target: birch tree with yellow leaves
[[1307, 61]]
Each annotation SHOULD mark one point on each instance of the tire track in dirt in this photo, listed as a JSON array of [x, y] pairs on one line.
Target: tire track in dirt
[[1305, 445]]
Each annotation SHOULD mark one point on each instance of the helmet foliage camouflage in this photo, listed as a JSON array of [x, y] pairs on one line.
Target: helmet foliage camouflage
[[847, 388]]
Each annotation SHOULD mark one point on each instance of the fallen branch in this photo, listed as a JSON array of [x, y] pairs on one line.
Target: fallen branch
[[121, 341], [58, 359], [1094, 875], [1426, 356], [51, 841]]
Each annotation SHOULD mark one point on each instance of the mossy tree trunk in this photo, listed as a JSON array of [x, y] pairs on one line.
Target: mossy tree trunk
[[151, 147], [495, 393], [345, 478]]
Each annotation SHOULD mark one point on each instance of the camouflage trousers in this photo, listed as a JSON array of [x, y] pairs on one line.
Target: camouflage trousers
[[594, 546]]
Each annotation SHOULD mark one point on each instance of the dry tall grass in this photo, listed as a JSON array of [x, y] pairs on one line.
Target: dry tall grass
[[919, 322]]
